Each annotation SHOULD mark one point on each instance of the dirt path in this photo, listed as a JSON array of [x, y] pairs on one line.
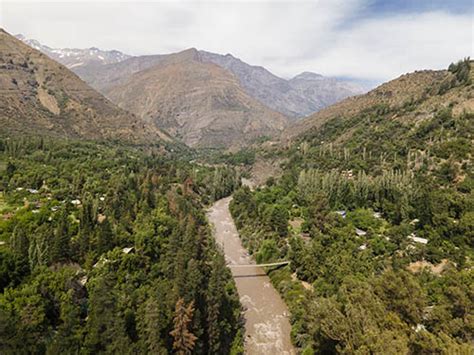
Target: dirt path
[[266, 316]]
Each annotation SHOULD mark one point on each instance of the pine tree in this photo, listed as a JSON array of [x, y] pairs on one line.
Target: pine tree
[[60, 249], [184, 340], [214, 301]]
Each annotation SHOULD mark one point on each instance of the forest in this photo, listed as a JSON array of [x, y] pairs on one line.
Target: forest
[[105, 248], [379, 231]]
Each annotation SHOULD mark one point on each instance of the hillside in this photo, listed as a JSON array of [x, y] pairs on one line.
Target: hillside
[[41, 96], [411, 98], [198, 102], [105, 77]]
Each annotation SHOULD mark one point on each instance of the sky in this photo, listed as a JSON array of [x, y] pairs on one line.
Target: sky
[[368, 40]]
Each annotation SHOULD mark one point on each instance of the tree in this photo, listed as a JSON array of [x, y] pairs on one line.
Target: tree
[[184, 340], [60, 249], [105, 326], [11, 168], [277, 219]]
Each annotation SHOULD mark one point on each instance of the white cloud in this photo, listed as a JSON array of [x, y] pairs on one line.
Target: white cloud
[[287, 37], [384, 48]]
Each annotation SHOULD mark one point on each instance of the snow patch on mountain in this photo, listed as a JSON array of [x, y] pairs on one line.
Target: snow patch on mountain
[[74, 57]]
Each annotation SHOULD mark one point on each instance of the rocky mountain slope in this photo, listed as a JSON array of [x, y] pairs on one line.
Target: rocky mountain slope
[[196, 101], [41, 96], [75, 57], [303, 95]]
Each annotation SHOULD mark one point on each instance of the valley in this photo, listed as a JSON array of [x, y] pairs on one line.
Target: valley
[[192, 203]]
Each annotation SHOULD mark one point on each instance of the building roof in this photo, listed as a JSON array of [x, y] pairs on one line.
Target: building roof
[[417, 239]]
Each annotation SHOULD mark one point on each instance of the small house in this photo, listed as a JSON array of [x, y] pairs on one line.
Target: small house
[[127, 250], [417, 239], [360, 232], [342, 213]]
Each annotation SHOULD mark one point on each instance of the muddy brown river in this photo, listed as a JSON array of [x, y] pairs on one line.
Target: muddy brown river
[[267, 328]]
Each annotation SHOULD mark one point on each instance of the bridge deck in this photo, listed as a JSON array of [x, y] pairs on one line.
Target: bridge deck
[[260, 265]]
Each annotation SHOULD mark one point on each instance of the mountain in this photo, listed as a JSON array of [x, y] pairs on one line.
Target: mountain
[[196, 101], [321, 92], [298, 97], [74, 57], [105, 77], [41, 96], [409, 99]]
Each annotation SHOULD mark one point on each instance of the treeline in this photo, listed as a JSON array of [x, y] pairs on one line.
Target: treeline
[[106, 248]]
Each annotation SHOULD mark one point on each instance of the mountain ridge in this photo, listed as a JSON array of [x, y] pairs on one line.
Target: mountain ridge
[[199, 102], [76, 57], [289, 97]]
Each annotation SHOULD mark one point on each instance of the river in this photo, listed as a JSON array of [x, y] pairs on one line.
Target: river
[[267, 327]]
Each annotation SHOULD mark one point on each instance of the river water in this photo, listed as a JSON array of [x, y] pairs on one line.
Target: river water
[[267, 328]]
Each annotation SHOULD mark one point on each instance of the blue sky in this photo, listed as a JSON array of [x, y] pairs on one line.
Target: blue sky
[[367, 40], [417, 6]]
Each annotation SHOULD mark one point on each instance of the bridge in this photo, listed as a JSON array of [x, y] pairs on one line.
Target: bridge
[[258, 265]]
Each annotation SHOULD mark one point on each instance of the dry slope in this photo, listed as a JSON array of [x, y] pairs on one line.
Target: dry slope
[[41, 96], [411, 97], [198, 102]]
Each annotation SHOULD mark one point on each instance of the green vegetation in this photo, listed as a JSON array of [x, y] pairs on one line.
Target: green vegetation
[[105, 249], [375, 215], [462, 70]]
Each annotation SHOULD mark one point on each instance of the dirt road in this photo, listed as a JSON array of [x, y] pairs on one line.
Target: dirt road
[[266, 316]]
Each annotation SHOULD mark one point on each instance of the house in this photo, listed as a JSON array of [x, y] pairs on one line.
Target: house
[[363, 247], [102, 261], [377, 215], [417, 239], [127, 250], [76, 202], [33, 191], [83, 280], [419, 327], [348, 174], [360, 232], [341, 213]]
